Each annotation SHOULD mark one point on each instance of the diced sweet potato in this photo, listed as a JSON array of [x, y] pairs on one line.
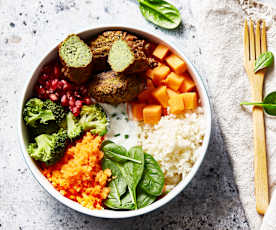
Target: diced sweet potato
[[190, 100], [161, 95], [188, 84], [160, 51], [174, 81], [137, 111], [176, 63], [176, 104], [171, 93], [160, 73], [152, 114]]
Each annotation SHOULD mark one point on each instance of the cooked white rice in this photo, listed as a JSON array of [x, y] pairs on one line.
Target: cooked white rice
[[175, 143]]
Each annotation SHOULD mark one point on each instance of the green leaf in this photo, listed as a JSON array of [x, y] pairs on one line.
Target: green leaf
[[116, 152], [126, 203], [160, 13], [144, 199], [264, 60], [117, 185], [132, 172], [269, 103], [152, 181]]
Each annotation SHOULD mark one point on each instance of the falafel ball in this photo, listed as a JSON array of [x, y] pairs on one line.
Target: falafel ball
[[114, 88]]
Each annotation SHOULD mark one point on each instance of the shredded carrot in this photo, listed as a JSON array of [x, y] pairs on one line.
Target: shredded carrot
[[79, 176]]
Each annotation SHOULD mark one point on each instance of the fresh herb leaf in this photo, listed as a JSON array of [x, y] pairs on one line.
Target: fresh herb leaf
[[126, 136], [117, 153], [117, 185], [113, 114], [116, 135], [144, 199], [132, 172], [160, 13], [269, 104], [264, 60], [152, 181]]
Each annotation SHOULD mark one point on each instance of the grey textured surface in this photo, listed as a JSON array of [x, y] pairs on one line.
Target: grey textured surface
[[28, 29]]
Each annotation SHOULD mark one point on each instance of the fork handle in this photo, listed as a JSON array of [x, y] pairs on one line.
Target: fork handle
[[260, 161]]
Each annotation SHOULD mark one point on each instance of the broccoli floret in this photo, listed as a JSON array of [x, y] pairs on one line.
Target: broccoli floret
[[74, 129], [94, 118], [49, 148], [57, 110], [34, 113], [38, 112]]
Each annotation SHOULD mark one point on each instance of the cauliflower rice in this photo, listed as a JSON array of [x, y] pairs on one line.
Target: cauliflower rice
[[175, 142]]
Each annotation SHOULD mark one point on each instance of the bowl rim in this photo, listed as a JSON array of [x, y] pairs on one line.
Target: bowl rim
[[114, 214]]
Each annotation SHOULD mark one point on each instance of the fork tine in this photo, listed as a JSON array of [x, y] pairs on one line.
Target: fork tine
[[263, 37], [246, 42], [252, 41], [258, 40]]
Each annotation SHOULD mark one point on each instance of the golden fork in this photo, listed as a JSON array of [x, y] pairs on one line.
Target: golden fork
[[254, 45]]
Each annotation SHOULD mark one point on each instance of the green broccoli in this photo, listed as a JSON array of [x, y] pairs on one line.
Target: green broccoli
[[43, 117], [49, 148], [94, 118], [74, 129], [34, 113]]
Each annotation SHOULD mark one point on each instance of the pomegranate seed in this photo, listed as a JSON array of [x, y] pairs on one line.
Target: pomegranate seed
[[57, 94], [76, 94], [78, 103], [54, 84], [64, 101], [76, 111], [66, 85], [69, 94], [71, 101], [56, 71], [41, 91], [53, 97], [44, 77], [87, 100]]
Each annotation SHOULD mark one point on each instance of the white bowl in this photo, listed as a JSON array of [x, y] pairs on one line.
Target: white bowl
[[23, 137]]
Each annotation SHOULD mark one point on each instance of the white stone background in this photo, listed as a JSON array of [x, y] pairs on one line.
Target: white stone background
[[29, 29]]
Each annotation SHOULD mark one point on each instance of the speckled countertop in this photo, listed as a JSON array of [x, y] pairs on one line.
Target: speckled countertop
[[28, 29]]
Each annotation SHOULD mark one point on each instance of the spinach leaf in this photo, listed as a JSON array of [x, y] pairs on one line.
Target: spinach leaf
[[264, 60], [152, 181], [117, 153], [269, 103], [117, 185], [160, 13], [132, 172], [143, 199], [126, 203]]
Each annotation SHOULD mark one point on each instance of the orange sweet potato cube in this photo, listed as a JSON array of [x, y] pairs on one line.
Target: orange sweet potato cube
[[161, 95], [188, 84], [160, 73], [152, 114], [160, 51], [176, 104], [190, 100], [176, 63], [174, 81], [171, 93]]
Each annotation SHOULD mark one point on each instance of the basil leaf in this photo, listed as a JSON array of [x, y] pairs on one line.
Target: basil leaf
[[117, 185], [264, 60], [269, 104], [116, 153], [152, 181], [143, 199], [160, 13], [132, 172]]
